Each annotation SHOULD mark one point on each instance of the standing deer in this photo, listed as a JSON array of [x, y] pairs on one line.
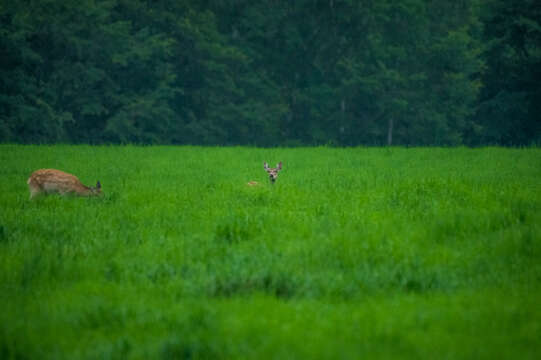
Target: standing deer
[[55, 181], [273, 173]]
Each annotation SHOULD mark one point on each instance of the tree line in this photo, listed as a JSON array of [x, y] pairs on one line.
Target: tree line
[[271, 72]]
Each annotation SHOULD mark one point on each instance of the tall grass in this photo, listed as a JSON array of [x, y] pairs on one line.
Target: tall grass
[[363, 252]]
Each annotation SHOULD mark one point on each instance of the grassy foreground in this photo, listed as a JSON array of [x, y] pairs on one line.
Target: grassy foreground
[[353, 253]]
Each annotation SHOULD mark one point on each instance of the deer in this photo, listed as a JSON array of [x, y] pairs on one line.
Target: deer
[[273, 172], [50, 181]]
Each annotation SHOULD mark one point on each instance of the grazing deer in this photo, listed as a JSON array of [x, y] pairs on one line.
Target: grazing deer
[[273, 173], [55, 181]]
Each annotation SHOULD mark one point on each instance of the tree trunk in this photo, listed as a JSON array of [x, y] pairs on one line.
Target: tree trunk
[[390, 132]]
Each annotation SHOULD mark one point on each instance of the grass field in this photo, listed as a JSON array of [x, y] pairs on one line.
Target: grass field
[[424, 253]]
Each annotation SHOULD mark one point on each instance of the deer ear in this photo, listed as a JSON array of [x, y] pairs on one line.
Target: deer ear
[[98, 185], [279, 166], [265, 166]]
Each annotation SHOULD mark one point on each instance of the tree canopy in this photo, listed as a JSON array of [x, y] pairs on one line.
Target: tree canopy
[[270, 72]]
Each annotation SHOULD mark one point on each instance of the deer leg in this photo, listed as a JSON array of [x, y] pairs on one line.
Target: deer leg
[[33, 192]]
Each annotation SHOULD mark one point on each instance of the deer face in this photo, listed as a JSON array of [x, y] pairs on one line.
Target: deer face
[[273, 173]]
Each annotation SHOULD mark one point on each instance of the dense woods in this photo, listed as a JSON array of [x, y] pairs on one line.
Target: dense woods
[[271, 72]]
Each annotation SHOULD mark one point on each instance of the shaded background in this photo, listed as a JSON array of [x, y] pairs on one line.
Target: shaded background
[[271, 72]]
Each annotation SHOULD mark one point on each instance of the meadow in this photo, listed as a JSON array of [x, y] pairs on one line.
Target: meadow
[[378, 253]]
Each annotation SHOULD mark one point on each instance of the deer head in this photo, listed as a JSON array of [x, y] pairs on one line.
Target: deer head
[[273, 172], [96, 190]]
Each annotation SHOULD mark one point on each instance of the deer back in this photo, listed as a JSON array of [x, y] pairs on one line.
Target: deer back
[[56, 181]]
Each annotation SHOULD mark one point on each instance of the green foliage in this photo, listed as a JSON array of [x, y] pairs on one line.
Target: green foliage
[[308, 72], [509, 105], [361, 252]]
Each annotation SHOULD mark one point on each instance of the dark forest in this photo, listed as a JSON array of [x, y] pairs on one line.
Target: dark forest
[[271, 72]]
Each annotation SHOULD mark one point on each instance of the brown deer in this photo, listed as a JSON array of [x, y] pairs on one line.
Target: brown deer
[[273, 172], [50, 181]]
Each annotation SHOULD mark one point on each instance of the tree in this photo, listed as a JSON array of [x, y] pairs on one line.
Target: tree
[[509, 110]]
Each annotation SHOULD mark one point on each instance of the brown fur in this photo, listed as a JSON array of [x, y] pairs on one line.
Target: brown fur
[[49, 181], [273, 172]]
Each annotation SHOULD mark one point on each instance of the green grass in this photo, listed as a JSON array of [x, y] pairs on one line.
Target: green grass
[[423, 253]]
